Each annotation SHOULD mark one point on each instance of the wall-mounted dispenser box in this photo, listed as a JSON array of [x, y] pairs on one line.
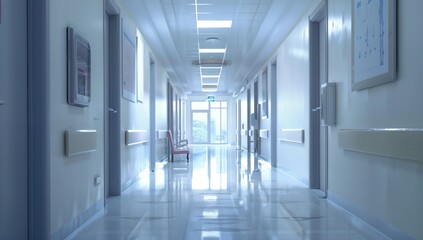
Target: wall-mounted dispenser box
[[328, 103]]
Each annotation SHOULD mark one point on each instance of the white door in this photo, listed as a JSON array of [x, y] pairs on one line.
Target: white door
[[13, 120]]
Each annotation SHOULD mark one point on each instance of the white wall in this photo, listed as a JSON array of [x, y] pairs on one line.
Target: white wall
[[161, 110], [244, 120], [386, 190], [293, 100], [72, 178], [265, 123], [232, 121], [134, 116]]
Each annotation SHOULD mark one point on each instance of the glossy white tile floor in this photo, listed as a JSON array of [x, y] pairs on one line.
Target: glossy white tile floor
[[213, 197]]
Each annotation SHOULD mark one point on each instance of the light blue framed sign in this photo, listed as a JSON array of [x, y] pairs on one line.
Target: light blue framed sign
[[374, 43]]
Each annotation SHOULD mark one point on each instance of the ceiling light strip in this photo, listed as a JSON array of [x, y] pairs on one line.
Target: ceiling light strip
[[212, 50], [210, 76], [198, 37], [223, 61], [214, 23]]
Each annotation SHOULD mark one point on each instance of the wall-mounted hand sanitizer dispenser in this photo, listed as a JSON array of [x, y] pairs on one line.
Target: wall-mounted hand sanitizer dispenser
[[328, 103]]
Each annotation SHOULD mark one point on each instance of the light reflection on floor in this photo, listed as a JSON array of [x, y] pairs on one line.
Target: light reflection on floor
[[213, 197]]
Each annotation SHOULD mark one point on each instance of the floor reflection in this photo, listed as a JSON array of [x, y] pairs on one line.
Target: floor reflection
[[216, 196]]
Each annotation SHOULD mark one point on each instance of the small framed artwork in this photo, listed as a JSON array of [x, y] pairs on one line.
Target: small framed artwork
[[129, 67], [374, 43], [140, 68], [264, 94], [264, 110], [79, 69]]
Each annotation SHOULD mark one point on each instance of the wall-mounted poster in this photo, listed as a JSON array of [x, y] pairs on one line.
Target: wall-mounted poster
[[79, 69], [264, 95], [374, 43], [128, 67], [140, 68]]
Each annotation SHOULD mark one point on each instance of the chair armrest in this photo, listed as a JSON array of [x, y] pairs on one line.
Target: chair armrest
[[183, 143]]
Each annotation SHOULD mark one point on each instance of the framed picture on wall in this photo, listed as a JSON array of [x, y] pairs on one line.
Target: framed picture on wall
[[129, 66], [374, 43], [78, 69], [140, 68], [264, 95]]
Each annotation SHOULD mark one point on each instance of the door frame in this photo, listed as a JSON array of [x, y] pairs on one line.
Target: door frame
[[152, 84], [257, 114], [318, 133], [112, 72], [273, 112], [238, 124], [38, 21]]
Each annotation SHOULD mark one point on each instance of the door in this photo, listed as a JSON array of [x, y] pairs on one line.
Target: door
[[112, 171], [218, 122], [13, 120], [238, 124], [318, 76], [273, 113], [200, 127], [254, 119]]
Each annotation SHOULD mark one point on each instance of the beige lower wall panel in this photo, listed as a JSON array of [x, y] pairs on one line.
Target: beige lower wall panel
[[264, 133], [80, 141], [396, 143], [292, 135], [133, 137]]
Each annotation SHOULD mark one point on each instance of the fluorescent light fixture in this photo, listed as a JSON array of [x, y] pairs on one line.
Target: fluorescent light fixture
[[209, 89], [214, 23], [210, 71], [210, 76], [212, 50], [200, 4], [211, 68], [211, 214], [211, 83]]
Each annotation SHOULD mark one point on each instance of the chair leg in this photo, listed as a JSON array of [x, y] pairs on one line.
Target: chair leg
[[187, 157], [172, 157]]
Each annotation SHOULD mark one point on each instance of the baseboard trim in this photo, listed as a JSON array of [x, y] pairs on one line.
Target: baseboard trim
[[293, 176], [73, 226], [128, 184], [377, 227], [125, 186]]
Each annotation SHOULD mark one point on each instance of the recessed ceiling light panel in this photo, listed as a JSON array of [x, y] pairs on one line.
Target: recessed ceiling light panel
[[208, 88], [214, 23], [210, 76], [212, 50]]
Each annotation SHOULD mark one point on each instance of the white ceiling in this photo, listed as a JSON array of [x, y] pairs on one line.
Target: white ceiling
[[258, 28]]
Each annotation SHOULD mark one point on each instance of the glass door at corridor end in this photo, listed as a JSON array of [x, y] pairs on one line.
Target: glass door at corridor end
[[209, 122]]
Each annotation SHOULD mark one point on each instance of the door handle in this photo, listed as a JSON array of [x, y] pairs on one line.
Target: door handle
[[316, 109], [112, 110], [2, 102]]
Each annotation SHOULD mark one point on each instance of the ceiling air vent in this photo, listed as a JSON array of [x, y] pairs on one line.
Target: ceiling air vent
[[211, 63], [206, 86]]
